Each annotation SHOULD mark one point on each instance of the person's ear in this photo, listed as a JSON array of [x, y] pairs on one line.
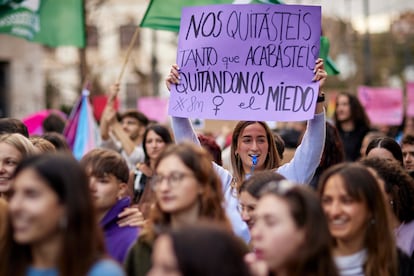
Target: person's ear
[[122, 190]]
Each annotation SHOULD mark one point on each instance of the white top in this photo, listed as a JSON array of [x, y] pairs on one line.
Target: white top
[[351, 265]]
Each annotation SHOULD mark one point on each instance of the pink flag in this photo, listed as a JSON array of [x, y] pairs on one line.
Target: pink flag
[[384, 105], [410, 99], [154, 108], [34, 121]]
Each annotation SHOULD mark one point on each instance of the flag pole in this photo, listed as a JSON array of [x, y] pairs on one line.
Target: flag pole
[[83, 64], [131, 44], [86, 83]]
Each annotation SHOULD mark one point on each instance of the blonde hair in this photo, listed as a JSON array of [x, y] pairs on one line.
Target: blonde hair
[[19, 142]]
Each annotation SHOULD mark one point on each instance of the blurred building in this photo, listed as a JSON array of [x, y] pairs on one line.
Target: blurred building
[[22, 77], [52, 77], [110, 26]]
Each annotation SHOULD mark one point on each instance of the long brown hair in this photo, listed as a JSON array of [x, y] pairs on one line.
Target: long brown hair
[[358, 115], [4, 225], [211, 200], [314, 257], [81, 234], [162, 132], [361, 185], [225, 251], [272, 159]]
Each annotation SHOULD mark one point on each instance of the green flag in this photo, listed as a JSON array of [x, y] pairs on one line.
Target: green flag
[[330, 66], [50, 22], [165, 15]]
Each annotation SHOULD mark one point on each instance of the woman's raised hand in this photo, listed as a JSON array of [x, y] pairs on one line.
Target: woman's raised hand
[[320, 73], [173, 77]]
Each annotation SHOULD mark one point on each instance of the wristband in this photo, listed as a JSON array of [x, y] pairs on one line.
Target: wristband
[[321, 98]]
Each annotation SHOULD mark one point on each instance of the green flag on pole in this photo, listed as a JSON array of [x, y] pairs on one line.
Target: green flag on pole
[[166, 15], [163, 16], [50, 22], [330, 66]]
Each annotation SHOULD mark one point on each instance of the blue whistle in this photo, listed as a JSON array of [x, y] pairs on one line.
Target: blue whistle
[[254, 160], [254, 163]]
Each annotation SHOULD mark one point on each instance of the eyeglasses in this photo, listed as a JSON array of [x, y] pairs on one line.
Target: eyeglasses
[[249, 209], [173, 179]]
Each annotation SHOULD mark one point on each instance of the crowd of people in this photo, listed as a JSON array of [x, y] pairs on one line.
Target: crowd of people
[[156, 200]]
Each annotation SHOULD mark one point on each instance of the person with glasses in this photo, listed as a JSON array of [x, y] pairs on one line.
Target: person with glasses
[[187, 191], [249, 194]]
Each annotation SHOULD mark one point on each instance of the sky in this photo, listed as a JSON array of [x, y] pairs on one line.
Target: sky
[[381, 11]]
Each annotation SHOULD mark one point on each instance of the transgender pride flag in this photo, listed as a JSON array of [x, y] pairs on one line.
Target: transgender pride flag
[[81, 131]]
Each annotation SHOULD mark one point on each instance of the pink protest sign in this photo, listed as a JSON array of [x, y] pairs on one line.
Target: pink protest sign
[[154, 108], [410, 99], [247, 62], [383, 105]]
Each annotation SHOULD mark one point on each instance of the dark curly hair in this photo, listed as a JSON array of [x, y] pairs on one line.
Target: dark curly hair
[[398, 185], [358, 114]]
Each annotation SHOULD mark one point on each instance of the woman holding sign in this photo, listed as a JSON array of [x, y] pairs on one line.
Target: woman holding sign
[[253, 149]]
